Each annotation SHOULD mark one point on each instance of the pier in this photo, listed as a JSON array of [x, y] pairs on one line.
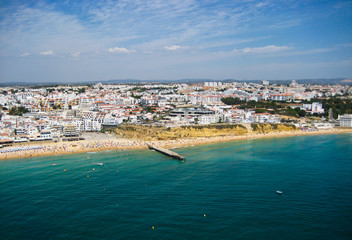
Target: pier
[[166, 152]]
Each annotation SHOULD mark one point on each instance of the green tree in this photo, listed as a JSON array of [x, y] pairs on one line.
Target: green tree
[[18, 111], [232, 101], [301, 112], [81, 90], [260, 110]]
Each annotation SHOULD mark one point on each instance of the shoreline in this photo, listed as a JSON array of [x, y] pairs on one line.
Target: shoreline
[[85, 146], [250, 136]]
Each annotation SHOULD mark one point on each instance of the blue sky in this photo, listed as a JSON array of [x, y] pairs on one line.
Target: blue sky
[[73, 41]]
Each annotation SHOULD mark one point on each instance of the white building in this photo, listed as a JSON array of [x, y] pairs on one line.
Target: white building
[[345, 120], [266, 118], [321, 125], [212, 84], [32, 131], [149, 100], [90, 125], [265, 83], [315, 107], [281, 97], [208, 119], [45, 135], [55, 134]]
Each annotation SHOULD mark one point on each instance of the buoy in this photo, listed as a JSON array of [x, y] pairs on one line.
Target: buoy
[[204, 215], [65, 170], [93, 169], [87, 176], [153, 227]]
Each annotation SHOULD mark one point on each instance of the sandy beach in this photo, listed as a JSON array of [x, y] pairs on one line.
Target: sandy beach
[[99, 142]]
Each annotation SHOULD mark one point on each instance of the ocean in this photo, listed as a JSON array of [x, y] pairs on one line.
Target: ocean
[[221, 191]]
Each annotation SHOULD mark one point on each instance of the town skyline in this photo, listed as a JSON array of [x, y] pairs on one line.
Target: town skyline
[[54, 41]]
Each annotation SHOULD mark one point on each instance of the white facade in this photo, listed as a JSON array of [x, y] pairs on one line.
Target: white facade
[[213, 84], [45, 135], [91, 125], [266, 118], [321, 125], [317, 107], [345, 120], [208, 119], [281, 97], [55, 134]]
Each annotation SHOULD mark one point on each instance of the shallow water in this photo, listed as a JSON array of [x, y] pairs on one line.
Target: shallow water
[[221, 191]]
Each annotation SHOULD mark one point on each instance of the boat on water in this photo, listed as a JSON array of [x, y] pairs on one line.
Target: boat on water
[[99, 163], [279, 192]]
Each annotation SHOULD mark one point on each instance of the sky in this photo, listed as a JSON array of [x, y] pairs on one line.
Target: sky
[[74, 41]]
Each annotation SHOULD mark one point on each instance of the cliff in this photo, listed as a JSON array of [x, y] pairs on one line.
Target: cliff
[[149, 133], [272, 127]]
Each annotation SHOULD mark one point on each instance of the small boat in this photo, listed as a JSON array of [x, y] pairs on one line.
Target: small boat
[[279, 192], [99, 163]]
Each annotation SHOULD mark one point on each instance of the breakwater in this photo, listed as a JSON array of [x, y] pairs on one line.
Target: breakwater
[[166, 152]]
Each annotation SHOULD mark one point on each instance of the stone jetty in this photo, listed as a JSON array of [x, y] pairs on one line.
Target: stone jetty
[[166, 152]]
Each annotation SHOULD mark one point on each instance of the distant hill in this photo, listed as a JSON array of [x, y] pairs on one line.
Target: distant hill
[[324, 81]]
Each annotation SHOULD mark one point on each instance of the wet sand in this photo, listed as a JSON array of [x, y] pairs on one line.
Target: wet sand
[[94, 144]]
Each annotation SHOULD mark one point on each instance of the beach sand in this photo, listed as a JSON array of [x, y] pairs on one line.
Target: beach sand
[[97, 142]]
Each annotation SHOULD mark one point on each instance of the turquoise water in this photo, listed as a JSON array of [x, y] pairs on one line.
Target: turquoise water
[[222, 191]]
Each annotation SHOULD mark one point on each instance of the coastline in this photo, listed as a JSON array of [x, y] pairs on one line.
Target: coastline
[[202, 141], [84, 146]]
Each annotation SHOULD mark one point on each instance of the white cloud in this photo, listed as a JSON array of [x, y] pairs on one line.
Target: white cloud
[[76, 54], [311, 51], [25, 54], [47, 53], [39, 27], [344, 45], [174, 47], [286, 24], [120, 50], [266, 49], [261, 4]]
